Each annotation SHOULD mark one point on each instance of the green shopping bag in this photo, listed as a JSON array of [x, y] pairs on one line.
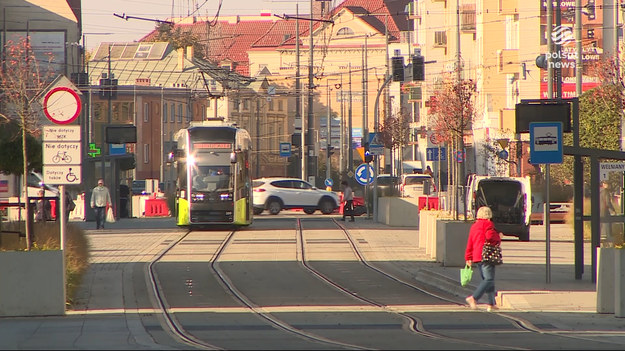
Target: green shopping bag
[[465, 275]]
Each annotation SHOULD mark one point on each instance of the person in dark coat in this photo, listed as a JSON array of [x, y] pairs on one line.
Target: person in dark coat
[[482, 230]]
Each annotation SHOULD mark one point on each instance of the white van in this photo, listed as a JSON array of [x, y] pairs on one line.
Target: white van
[[510, 199]]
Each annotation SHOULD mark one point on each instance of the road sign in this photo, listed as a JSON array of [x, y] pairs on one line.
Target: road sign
[[431, 154], [62, 105], [62, 175], [605, 168], [376, 146], [503, 154], [460, 156], [61, 153], [364, 174], [546, 142], [329, 182], [61, 133], [285, 149]]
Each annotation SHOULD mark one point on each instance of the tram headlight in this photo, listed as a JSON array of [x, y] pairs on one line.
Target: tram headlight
[[197, 197], [225, 196]]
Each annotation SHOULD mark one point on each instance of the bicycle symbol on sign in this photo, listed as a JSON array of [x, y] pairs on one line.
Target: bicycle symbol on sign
[[71, 177], [62, 156]]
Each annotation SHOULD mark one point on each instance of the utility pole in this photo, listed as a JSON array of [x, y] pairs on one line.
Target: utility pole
[[298, 97], [309, 137]]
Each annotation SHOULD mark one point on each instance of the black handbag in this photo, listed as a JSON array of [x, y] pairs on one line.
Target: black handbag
[[491, 254]]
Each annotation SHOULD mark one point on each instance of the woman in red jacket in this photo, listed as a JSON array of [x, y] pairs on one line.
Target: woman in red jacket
[[482, 230]]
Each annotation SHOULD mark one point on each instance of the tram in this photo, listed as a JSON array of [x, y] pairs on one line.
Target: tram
[[214, 184]]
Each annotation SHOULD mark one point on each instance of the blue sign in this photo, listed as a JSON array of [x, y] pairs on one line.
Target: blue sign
[[285, 149], [546, 142], [503, 154], [329, 182], [431, 154], [117, 149], [364, 174]]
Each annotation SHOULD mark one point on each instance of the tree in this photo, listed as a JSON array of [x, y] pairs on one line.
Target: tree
[[22, 84], [395, 132], [600, 116], [177, 38], [452, 117]]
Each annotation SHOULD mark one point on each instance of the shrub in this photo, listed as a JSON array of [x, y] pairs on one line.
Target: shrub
[[47, 237]]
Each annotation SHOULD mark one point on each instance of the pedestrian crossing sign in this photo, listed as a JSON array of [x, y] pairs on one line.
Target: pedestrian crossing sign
[[375, 140]]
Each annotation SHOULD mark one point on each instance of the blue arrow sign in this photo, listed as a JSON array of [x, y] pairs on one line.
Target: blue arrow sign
[[364, 174]]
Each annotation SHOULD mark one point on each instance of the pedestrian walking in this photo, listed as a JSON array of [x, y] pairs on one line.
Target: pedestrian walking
[[44, 208], [348, 201], [100, 199], [483, 230]]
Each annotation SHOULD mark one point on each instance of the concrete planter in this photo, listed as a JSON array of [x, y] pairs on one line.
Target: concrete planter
[[611, 281], [32, 283], [398, 211], [451, 241]]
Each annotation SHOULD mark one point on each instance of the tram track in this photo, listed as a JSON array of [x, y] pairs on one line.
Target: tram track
[[418, 325], [268, 315], [415, 324]]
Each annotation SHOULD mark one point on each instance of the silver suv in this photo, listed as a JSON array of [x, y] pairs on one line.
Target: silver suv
[[275, 194]]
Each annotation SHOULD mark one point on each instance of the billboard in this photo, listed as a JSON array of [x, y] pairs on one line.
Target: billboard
[[592, 45]]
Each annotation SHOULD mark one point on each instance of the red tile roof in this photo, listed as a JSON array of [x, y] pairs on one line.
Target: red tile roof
[[230, 41]]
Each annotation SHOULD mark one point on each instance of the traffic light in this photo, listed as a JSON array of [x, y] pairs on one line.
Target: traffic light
[[368, 155], [397, 63], [418, 68]]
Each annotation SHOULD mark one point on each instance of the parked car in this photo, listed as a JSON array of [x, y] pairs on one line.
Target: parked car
[[510, 199], [557, 214], [415, 185], [275, 194]]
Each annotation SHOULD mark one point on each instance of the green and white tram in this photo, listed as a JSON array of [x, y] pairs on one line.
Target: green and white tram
[[214, 184]]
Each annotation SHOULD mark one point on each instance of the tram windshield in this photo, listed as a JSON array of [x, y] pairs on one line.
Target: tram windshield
[[211, 178]]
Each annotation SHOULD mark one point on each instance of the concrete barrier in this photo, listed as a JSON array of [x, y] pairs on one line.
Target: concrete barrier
[[451, 242], [398, 211], [605, 280], [33, 283]]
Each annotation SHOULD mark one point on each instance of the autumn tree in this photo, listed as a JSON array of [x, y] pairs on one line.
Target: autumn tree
[[395, 132], [23, 79], [452, 117], [177, 37]]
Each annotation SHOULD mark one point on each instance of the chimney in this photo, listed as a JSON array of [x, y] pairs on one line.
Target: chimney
[[180, 59], [190, 52]]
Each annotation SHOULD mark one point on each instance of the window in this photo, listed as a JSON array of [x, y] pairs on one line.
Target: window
[[345, 31], [180, 113], [172, 116], [146, 153], [467, 13], [189, 112], [164, 112], [271, 105], [146, 112], [280, 105], [126, 112], [97, 111], [246, 104], [115, 114], [440, 38]]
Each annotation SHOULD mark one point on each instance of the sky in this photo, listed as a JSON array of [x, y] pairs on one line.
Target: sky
[[100, 25]]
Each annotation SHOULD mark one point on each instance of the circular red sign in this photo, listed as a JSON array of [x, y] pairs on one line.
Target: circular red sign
[[434, 138], [62, 105]]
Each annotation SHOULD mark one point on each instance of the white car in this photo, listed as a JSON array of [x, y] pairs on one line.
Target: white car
[[275, 194]]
